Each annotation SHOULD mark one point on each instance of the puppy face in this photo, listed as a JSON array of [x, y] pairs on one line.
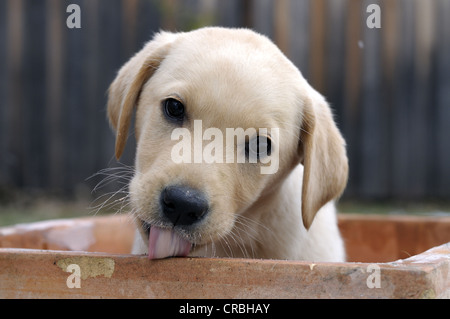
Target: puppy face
[[193, 93]]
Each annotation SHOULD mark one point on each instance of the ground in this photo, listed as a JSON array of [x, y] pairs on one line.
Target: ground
[[25, 209]]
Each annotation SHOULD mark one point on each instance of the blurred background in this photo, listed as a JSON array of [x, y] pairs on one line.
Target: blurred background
[[389, 88]]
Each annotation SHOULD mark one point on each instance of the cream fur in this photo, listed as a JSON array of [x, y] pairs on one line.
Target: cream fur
[[233, 78]]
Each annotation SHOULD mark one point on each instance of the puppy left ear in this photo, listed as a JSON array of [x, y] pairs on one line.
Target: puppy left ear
[[124, 91], [324, 157]]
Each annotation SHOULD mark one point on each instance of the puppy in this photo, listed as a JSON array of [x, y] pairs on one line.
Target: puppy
[[195, 195]]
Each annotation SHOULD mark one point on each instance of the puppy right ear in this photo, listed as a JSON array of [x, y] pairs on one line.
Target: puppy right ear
[[324, 157], [124, 91]]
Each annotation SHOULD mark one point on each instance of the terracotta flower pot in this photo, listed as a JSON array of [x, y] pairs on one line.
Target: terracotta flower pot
[[389, 257]]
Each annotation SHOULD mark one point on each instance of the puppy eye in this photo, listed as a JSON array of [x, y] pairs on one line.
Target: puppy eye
[[174, 109], [258, 147]]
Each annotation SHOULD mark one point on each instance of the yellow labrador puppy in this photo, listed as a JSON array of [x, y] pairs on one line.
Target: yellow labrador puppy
[[237, 155]]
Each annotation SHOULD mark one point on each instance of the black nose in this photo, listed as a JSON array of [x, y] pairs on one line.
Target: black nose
[[183, 205]]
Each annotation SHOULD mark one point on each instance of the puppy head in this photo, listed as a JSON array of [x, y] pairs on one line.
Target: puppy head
[[183, 86]]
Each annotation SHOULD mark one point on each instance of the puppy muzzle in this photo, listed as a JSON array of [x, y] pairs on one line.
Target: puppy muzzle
[[181, 208]]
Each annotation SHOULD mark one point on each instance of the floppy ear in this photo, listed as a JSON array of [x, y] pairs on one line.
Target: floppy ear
[[324, 158], [124, 91]]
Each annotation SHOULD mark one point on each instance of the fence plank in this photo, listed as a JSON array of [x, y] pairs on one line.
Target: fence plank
[[13, 103], [317, 42], [281, 24], [442, 84], [335, 55], [299, 35], [421, 109], [263, 18], [373, 126], [352, 89], [91, 43], [54, 95], [402, 101], [390, 46], [3, 84]]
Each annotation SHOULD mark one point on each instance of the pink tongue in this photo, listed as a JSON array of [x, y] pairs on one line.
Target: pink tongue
[[164, 243]]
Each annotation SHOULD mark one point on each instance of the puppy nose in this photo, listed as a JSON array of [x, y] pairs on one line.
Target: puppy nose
[[183, 205]]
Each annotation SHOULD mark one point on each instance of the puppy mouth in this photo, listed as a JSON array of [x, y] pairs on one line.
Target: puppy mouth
[[163, 242]]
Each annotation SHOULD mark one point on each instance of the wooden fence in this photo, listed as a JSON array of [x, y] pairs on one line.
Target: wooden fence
[[389, 86]]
